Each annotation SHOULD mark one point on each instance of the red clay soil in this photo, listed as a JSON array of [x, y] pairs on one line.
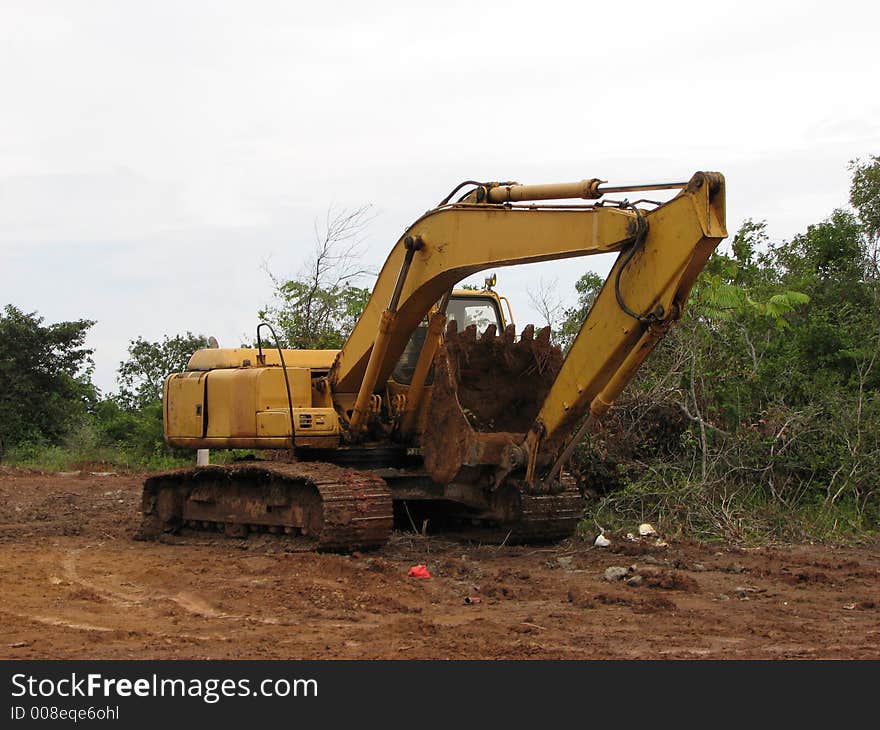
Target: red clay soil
[[74, 584]]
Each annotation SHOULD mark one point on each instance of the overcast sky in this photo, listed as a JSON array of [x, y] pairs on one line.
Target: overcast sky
[[154, 154]]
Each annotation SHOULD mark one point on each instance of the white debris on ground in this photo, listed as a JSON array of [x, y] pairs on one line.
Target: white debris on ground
[[91, 473], [645, 532]]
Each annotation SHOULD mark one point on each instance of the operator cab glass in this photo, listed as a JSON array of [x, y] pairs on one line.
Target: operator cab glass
[[473, 310], [465, 311]]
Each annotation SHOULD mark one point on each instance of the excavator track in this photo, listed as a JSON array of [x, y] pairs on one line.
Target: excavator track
[[334, 508], [547, 517], [541, 517]]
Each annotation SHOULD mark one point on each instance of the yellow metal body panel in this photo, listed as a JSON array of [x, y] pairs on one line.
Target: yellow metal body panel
[[246, 408], [272, 390], [308, 423], [251, 442], [184, 400], [232, 402], [217, 358], [273, 423]]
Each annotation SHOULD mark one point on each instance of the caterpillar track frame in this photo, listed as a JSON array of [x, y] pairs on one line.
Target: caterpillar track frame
[[434, 401]]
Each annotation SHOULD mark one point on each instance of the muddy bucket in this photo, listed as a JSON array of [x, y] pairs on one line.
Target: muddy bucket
[[488, 389]]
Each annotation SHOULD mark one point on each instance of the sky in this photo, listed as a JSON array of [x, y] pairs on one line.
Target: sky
[[157, 158]]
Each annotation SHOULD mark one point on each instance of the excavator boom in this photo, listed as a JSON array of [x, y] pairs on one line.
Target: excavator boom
[[456, 242], [661, 253]]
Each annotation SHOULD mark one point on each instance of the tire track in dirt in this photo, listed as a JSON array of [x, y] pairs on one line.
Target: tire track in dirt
[[188, 601], [52, 621]]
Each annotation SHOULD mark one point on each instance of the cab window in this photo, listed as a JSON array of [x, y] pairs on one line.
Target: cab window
[[479, 311], [473, 310]]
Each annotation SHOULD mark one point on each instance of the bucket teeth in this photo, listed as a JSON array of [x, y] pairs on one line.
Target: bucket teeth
[[501, 380], [451, 328]]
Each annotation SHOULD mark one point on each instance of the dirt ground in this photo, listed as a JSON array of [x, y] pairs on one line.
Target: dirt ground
[[74, 584]]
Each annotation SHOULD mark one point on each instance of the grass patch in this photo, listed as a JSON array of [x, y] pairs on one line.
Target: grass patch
[[738, 514], [107, 458]]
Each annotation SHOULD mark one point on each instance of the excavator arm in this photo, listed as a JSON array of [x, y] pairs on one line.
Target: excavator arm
[[662, 250], [645, 292]]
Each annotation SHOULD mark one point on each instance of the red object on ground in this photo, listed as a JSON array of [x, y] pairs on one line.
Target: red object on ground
[[419, 571]]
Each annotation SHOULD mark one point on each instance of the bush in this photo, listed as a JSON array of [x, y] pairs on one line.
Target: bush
[[759, 414]]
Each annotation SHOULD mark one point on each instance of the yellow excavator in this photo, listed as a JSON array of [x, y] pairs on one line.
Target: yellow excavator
[[435, 401]]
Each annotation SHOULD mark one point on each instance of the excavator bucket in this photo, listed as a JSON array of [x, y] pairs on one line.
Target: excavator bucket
[[487, 391]]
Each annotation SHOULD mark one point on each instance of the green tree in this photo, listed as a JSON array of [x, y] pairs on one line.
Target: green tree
[[318, 308], [306, 316], [764, 400], [865, 193], [830, 262], [138, 433], [45, 383], [142, 375], [587, 288]]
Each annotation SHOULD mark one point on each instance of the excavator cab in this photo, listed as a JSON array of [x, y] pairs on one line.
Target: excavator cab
[[478, 308], [466, 307]]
